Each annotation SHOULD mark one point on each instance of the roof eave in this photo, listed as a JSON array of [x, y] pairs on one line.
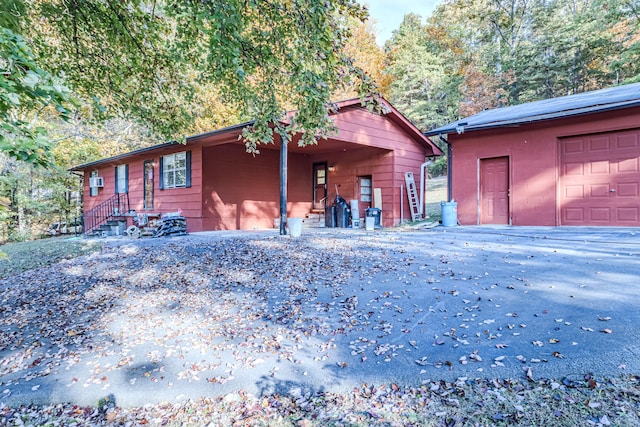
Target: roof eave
[[191, 138], [532, 119]]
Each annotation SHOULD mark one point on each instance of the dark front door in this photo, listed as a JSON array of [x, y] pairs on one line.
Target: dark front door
[[494, 191], [148, 184], [319, 185]]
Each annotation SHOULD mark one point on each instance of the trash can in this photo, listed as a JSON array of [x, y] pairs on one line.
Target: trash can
[[449, 213], [342, 212], [375, 213], [295, 227], [330, 216], [369, 223]]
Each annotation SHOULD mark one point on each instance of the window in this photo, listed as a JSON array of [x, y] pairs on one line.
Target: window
[[122, 179], [365, 189], [147, 169], [93, 191], [175, 170]]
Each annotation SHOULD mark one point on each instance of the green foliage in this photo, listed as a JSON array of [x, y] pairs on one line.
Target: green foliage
[[439, 167], [25, 90], [477, 54], [273, 56], [418, 70], [150, 61]]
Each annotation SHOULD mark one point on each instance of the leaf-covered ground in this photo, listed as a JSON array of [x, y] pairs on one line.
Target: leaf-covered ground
[[18, 257], [330, 329], [580, 402]]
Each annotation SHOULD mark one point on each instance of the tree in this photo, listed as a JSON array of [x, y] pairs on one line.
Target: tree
[[151, 60], [418, 73], [26, 90], [368, 56]]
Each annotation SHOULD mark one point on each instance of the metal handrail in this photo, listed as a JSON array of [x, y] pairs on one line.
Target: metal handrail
[[116, 205]]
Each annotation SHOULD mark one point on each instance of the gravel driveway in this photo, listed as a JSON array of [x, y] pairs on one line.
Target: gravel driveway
[[209, 314]]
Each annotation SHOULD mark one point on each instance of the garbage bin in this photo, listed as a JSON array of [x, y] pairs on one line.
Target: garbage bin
[[330, 216], [449, 213], [342, 212], [295, 227], [376, 213]]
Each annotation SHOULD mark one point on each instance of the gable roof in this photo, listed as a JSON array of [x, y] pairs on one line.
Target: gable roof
[[389, 111], [566, 106], [397, 117]]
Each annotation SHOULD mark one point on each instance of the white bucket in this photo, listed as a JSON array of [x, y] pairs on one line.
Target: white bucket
[[295, 227], [370, 223]]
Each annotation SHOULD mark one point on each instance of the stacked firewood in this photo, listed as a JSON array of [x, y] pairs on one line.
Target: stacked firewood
[[172, 225]]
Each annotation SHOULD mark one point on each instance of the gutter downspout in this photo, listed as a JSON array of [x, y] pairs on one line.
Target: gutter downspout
[[449, 168], [423, 175]]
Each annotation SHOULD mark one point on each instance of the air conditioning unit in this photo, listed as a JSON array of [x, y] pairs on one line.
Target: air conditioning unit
[[96, 181]]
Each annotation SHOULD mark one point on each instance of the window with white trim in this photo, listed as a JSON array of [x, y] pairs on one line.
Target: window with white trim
[[174, 170], [93, 191], [122, 179]]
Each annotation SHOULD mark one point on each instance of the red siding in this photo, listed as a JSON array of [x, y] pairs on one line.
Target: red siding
[[374, 130], [533, 151], [242, 191], [351, 164], [362, 127], [168, 200], [235, 190]]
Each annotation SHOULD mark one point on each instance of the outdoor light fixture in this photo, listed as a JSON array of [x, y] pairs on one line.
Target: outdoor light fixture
[[332, 168], [460, 128]]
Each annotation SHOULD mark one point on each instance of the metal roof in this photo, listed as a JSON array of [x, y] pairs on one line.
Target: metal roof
[[566, 106]]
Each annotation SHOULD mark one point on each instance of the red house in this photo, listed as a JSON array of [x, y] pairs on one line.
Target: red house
[[573, 160], [218, 186]]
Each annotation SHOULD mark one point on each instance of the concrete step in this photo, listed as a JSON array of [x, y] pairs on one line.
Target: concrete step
[[313, 220]]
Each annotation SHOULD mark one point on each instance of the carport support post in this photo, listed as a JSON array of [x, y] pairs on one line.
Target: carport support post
[[283, 184]]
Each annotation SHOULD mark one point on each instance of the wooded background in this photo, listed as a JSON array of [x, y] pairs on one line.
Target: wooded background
[[81, 81]]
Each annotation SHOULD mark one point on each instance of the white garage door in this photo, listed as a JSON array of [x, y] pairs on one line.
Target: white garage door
[[600, 179]]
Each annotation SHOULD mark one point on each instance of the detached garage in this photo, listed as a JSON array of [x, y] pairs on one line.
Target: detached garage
[[573, 160]]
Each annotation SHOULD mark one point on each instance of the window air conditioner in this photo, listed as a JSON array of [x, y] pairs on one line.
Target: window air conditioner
[[96, 181]]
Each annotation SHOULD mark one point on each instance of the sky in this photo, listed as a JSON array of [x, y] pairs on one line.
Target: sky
[[390, 13]]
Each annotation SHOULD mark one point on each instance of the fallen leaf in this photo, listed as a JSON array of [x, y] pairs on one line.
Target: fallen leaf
[[529, 374]]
